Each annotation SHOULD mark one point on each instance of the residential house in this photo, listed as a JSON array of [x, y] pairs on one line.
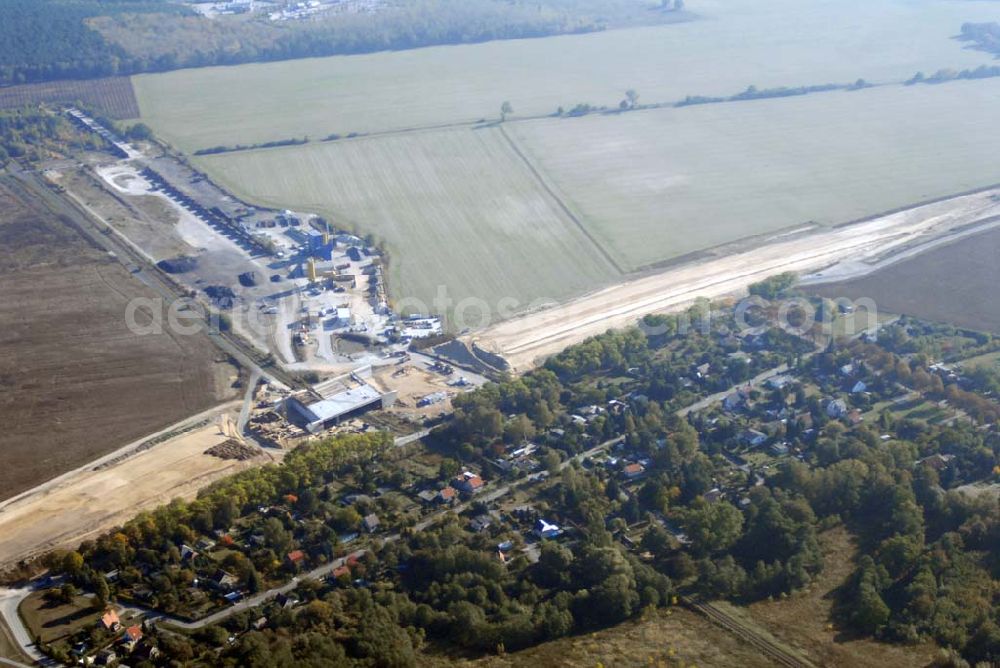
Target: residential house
[[106, 657], [480, 523], [836, 408], [204, 544], [735, 401], [546, 530], [370, 523], [713, 495], [590, 412], [110, 621], [223, 581], [937, 461], [296, 558], [286, 601], [778, 382], [779, 449], [633, 471], [617, 407], [133, 635], [753, 438], [447, 495], [524, 451], [468, 482]]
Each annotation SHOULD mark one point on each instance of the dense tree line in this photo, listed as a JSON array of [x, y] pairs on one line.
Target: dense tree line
[[50, 39], [68, 39], [26, 133], [984, 36], [947, 74]]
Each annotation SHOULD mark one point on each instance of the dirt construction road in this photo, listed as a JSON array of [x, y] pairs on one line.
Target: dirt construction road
[[526, 340], [97, 497]]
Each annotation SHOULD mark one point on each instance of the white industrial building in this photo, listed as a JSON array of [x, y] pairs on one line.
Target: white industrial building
[[329, 412]]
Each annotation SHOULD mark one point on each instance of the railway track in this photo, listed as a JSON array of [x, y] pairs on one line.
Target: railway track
[[773, 651]]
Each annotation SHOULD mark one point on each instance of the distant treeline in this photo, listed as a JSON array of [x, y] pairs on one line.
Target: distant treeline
[[751, 93], [945, 75], [984, 36], [249, 147], [754, 93], [43, 40], [214, 150]]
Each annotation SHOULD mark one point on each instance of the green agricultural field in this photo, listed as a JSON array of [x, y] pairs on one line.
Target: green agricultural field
[[461, 208], [546, 207], [655, 185], [735, 44], [455, 208]]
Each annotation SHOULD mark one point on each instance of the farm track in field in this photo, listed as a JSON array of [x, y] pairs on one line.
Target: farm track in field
[[559, 201], [456, 208]]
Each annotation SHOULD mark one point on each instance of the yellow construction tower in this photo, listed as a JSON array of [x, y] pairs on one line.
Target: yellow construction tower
[[312, 270]]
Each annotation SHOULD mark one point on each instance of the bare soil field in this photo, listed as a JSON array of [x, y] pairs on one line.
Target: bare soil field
[[112, 96], [94, 499], [412, 383], [525, 341], [955, 283], [77, 383]]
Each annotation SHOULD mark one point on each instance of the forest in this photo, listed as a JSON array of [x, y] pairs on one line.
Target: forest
[[983, 36], [49, 39], [44, 40], [29, 133]]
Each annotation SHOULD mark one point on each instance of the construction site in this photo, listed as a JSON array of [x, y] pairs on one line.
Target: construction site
[[293, 285], [297, 323]]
